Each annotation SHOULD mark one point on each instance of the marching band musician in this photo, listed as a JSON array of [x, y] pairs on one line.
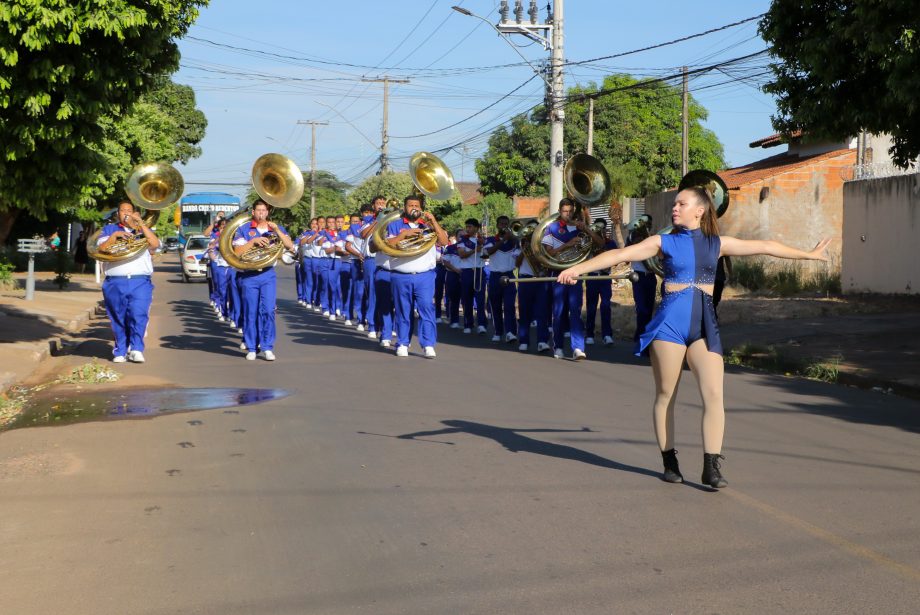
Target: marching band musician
[[258, 285], [384, 307], [314, 246], [368, 223], [324, 242], [472, 289], [567, 299], [532, 305], [343, 266], [369, 215], [220, 272], [602, 291], [644, 289], [500, 249], [354, 245], [413, 277], [128, 290], [450, 260], [305, 251]]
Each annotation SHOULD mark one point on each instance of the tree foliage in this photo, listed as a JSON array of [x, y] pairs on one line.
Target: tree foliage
[[637, 136], [390, 185], [846, 66], [70, 71]]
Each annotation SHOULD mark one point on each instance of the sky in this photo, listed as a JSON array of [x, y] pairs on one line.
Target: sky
[[259, 68]]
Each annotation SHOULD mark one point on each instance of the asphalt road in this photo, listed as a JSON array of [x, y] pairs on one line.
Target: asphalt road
[[482, 481]]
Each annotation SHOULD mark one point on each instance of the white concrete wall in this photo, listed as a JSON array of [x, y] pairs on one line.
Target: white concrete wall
[[881, 222]]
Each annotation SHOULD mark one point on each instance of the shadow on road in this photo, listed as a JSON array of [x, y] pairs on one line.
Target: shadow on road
[[201, 331], [515, 442]]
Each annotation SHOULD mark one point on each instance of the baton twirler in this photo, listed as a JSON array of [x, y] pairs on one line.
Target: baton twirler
[[632, 276]]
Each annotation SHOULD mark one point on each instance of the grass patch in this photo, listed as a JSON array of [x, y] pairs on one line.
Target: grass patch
[[785, 280], [774, 360], [90, 373]]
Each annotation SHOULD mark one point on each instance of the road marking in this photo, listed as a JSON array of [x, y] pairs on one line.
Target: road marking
[[829, 537]]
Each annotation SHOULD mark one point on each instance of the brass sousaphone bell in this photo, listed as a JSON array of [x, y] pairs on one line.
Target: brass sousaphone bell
[[587, 181], [432, 179], [151, 186], [278, 182], [698, 178]]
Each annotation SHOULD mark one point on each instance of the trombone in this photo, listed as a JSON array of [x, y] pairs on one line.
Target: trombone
[[632, 276]]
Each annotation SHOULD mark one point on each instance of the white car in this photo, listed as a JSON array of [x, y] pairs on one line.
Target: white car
[[195, 258]]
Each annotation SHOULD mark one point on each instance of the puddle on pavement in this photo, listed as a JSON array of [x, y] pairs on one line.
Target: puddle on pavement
[[136, 403]]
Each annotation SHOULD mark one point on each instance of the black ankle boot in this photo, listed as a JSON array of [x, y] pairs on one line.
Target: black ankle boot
[[711, 474], [671, 469]]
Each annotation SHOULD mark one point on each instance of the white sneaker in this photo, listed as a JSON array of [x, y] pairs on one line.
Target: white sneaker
[[589, 341], [372, 334], [496, 338], [480, 330], [119, 359], [300, 302], [402, 351], [316, 308], [326, 313], [608, 340], [269, 355], [533, 323], [331, 316], [567, 334], [542, 347], [242, 345], [429, 352], [467, 330], [557, 354], [360, 327], [136, 356], [523, 347], [578, 354], [221, 319], [455, 325], [510, 337], [250, 356], [439, 320], [393, 333], [240, 330], [347, 323], [309, 306], [232, 325], [384, 343]]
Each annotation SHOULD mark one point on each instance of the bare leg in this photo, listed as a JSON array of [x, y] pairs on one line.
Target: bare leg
[[709, 369], [667, 362]]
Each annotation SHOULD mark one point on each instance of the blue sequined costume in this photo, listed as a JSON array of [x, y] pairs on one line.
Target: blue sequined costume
[[687, 315]]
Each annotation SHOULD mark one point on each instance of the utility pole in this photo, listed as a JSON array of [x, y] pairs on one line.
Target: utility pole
[[385, 139], [685, 132], [590, 127], [313, 124]]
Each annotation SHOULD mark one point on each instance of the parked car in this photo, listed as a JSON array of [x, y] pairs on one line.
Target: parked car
[[171, 244], [195, 258]]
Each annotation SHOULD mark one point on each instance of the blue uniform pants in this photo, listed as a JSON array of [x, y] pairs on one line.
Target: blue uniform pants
[[317, 281], [333, 290], [452, 290], [598, 290], [308, 279], [323, 265], [236, 301], [567, 300], [644, 296], [470, 279], [439, 274], [222, 288], [370, 295], [127, 302], [414, 290], [355, 308], [532, 306], [345, 289], [383, 317], [501, 302], [258, 290]]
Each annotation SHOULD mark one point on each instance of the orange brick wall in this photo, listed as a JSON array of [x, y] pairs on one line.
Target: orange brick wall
[[803, 206], [530, 207]]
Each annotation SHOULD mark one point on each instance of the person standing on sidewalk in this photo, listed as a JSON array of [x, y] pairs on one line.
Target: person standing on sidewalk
[[685, 326], [128, 289]]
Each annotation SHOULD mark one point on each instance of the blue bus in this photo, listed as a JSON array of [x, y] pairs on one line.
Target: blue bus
[[199, 209]]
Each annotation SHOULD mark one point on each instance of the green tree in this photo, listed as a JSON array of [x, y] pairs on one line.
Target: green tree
[[453, 215], [390, 185], [845, 66], [66, 66], [637, 128]]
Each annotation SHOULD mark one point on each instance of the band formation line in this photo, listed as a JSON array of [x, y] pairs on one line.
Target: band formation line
[[392, 271]]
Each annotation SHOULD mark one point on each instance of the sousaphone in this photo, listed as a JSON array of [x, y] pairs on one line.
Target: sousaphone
[[432, 179], [587, 181], [151, 186], [278, 182]]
